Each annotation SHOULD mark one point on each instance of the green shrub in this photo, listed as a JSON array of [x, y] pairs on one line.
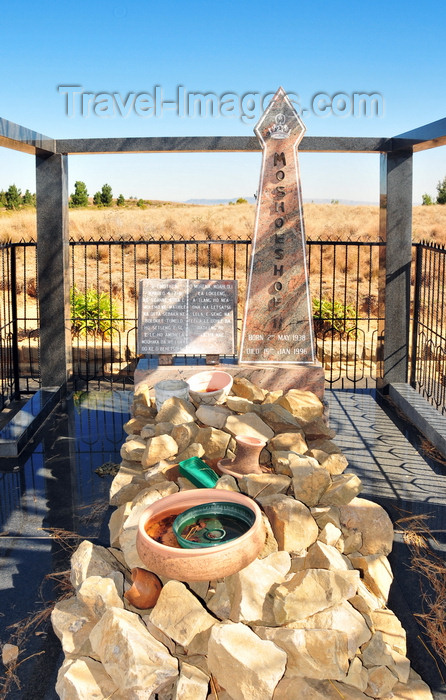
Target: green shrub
[[92, 313], [426, 200], [333, 316]]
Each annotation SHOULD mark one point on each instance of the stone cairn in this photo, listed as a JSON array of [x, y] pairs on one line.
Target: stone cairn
[[307, 620]]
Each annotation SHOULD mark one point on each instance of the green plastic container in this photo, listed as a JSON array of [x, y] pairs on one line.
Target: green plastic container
[[198, 472], [215, 523]]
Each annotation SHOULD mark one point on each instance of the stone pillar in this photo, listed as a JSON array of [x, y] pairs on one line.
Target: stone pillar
[[53, 269], [395, 266]]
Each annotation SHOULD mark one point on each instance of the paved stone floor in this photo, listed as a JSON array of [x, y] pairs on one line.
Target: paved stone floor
[[53, 485]]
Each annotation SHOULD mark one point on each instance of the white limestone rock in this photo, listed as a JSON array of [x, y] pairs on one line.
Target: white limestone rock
[[99, 593], [137, 663], [192, 684], [289, 442], [145, 498], [357, 675], [312, 689], [344, 488], [342, 617], [239, 404], [176, 411], [184, 434], [304, 405], [323, 556], [330, 534], [91, 560], [126, 484], [256, 485], [314, 653], [386, 622], [72, 623], [372, 521], [247, 667], [85, 679], [227, 483], [248, 424], [133, 448], [180, 615], [215, 442], [247, 390], [311, 591], [278, 418], [377, 652], [213, 416], [127, 544], [158, 448], [376, 571], [309, 483], [249, 590], [292, 523], [381, 682]]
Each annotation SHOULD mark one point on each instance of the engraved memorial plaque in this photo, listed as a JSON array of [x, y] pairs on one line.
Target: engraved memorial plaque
[[278, 325], [187, 317]]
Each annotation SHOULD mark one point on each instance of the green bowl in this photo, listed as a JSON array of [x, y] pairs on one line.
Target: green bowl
[[198, 472], [223, 522]]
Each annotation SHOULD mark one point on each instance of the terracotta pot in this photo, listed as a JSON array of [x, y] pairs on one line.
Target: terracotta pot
[[246, 458], [210, 387], [201, 564], [145, 590]]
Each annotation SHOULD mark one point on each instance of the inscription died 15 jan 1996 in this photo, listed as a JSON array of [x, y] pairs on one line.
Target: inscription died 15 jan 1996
[[187, 317], [277, 326]]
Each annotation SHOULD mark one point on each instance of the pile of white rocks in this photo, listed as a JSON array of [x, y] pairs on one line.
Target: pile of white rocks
[[306, 620]]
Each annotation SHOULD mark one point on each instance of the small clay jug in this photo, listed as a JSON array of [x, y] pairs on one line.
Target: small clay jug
[[145, 589], [246, 457]]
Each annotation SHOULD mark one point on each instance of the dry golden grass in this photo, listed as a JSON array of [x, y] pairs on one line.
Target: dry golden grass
[[196, 222]]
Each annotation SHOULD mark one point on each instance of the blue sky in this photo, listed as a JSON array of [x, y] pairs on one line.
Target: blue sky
[[393, 50]]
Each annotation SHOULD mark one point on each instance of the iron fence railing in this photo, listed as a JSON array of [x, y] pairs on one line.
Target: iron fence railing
[[428, 352], [343, 281]]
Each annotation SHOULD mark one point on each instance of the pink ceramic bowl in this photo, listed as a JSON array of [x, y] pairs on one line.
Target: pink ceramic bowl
[[210, 387], [203, 564]]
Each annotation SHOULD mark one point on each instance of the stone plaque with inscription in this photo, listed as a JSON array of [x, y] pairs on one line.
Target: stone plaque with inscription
[[187, 317], [278, 325]]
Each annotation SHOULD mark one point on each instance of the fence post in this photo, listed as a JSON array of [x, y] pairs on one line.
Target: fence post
[[395, 266], [15, 342], [53, 269], [416, 313]]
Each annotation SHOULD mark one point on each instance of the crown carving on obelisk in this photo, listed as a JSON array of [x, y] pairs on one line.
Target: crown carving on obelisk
[[279, 130]]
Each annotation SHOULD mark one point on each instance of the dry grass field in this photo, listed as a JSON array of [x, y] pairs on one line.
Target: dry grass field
[[343, 274], [192, 222]]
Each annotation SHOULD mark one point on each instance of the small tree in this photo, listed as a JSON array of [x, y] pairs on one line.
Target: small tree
[[106, 196], [120, 201], [241, 200], [29, 199], [13, 197], [80, 196], [2, 198], [97, 199], [441, 189], [426, 200]]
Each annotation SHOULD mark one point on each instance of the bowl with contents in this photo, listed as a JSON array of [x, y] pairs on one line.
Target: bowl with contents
[[235, 542], [211, 387], [211, 524]]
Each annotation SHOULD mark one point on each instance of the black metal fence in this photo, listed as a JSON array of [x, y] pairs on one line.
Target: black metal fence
[[105, 274], [428, 355]]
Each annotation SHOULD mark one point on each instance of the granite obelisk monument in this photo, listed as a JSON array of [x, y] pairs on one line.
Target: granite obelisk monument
[[278, 325]]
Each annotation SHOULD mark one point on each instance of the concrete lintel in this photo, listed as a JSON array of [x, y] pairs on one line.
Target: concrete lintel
[[217, 144], [425, 417], [19, 138]]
